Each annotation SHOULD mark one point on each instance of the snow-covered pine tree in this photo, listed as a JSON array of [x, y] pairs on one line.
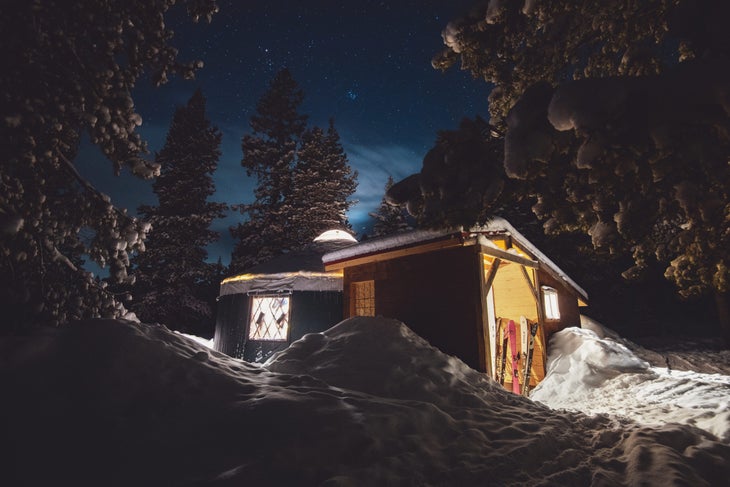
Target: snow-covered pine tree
[[269, 153], [322, 183], [617, 129], [68, 69], [389, 219], [172, 275]]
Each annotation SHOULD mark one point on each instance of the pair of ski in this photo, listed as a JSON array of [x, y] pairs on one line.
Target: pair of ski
[[511, 339]]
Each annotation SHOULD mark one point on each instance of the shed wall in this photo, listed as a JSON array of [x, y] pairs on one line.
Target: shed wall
[[512, 295], [567, 302], [435, 294]]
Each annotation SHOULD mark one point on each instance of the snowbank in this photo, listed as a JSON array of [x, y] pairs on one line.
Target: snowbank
[[366, 403], [589, 370]]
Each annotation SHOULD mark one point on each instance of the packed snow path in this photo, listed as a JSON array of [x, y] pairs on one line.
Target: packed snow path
[[365, 403]]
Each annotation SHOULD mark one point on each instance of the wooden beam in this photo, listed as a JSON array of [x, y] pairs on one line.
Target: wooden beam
[[509, 257], [489, 280], [486, 282], [541, 324], [535, 292], [483, 337]]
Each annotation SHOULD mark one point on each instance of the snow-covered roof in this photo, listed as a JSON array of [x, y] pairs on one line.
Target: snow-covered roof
[[281, 282], [302, 270], [406, 239]]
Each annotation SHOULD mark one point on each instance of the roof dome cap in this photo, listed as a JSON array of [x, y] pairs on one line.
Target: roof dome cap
[[335, 235]]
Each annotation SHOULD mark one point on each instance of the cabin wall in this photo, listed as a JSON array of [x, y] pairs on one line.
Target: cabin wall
[[311, 312], [512, 295], [434, 294], [567, 303]]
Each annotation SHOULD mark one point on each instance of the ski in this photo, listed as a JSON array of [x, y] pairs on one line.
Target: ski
[[503, 363], [512, 330], [528, 361]]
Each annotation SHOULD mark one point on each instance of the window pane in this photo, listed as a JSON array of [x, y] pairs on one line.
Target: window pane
[[363, 298], [269, 318], [550, 298]]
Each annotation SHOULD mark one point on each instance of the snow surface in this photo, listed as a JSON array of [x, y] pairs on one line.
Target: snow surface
[[367, 402], [206, 342], [592, 371]]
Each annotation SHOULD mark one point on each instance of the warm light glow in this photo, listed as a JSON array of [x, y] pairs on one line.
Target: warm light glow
[[269, 318], [520, 251], [251, 277], [335, 235], [362, 295], [550, 297]]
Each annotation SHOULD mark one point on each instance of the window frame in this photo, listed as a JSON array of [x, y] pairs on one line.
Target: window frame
[[255, 332], [551, 303], [356, 297]]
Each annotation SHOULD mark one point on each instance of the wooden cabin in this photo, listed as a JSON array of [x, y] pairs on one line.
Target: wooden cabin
[[460, 289], [277, 302]]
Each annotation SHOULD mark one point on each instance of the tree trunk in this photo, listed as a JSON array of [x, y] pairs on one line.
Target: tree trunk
[[722, 304]]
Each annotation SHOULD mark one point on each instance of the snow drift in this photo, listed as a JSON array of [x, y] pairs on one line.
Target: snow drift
[[366, 403], [595, 372]]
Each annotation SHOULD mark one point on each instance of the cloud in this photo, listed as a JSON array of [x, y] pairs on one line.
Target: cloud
[[374, 164]]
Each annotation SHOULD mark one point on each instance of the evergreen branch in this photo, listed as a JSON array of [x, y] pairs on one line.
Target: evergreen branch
[[90, 187]]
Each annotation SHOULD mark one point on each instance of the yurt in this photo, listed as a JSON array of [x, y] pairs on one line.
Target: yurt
[[277, 302]]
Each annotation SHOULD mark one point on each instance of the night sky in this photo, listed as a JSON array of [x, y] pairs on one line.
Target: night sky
[[365, 63]]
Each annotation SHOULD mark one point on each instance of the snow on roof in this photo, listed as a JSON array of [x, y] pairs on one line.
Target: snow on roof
[[282, 281], [405, 239], [381, 244], [327, 411], [301, 270]]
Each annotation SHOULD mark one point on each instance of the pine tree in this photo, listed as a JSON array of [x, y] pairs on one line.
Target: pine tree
[[172, 275], [68, 70], [269, 154], [389, 219], [322, 182]]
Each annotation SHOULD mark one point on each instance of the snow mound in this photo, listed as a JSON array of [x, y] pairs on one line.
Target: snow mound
[[367, 403], [590, 371], [579, 361], [383, 357]]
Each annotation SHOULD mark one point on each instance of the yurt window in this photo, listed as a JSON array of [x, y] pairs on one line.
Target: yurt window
[[550, 298], [269, 317], [362, 298]]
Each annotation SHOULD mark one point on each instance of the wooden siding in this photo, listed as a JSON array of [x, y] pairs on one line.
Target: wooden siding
[[567, 304], [439, 291], [436, 295], [513, 299], [512, 295]]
